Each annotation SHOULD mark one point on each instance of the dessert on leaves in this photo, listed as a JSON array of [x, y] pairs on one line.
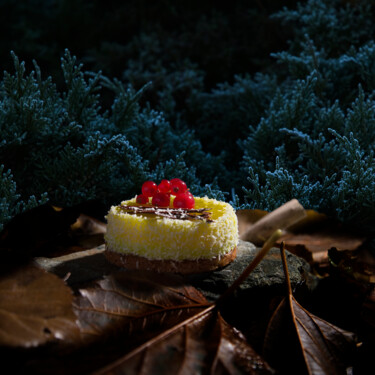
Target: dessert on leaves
[[167, 229]]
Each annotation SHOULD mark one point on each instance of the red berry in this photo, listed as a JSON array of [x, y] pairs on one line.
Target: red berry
[[141, 199], [164, 186], [185, 200], [161, 199], [149, 188], [178, 186]]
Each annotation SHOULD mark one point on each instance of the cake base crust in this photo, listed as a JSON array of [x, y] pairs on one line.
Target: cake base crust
[[184, 267]]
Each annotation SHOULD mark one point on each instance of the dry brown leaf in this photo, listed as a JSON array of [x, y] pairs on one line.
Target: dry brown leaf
[[88, 225], [311, 238], [323, 348], [35, 308], [247, 218], [202, 344], [116, 315], [314, 246], [135, 301], [358, 265], [157, 322], [88, 232]]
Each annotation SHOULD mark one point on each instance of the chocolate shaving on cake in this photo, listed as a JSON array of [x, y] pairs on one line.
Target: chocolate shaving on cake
[[170, 213]]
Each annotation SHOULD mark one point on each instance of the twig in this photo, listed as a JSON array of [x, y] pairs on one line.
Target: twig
[[261, 254], [283, 217], [285, 267]]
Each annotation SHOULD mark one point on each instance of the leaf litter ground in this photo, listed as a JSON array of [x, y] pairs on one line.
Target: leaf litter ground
[[127, 321]]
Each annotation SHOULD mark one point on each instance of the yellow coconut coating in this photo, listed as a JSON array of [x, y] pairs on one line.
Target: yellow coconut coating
[[156, 237]]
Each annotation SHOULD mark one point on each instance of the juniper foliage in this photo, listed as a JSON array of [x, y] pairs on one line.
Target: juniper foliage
[[192, 101], [10, 203], [62, 146], [316, 140]]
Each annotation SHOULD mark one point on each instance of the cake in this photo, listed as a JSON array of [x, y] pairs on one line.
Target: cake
[[159, 233]]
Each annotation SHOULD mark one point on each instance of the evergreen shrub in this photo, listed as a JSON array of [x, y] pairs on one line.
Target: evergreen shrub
[[315, 141], [256, 104], [62, 147]]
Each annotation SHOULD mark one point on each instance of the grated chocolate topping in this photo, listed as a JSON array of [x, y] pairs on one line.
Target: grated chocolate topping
[[170, 213]]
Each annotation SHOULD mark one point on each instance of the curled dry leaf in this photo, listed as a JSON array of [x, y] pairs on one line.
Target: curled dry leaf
[[310, 238], [202, 344], [36, 308], [88, 232], [290, 213], [323, 348], [314, 246]]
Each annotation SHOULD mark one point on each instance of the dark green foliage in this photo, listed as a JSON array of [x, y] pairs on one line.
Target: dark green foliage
[[320, 127], [10, 202], [64, 147], [334, 25], [227, 112], [258, 102]]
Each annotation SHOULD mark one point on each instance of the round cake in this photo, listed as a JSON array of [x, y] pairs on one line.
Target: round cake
[[169, 239]]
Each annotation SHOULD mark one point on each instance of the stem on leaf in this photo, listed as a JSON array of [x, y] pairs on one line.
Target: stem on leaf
[[261, 254]]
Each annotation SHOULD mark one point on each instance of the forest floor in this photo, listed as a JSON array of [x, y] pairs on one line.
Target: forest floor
[[88, 317]]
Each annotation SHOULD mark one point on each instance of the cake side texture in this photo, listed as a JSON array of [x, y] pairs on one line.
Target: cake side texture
[[154, 237]]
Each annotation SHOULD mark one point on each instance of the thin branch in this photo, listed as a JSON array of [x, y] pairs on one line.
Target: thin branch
[[285, 267], [261, 254]]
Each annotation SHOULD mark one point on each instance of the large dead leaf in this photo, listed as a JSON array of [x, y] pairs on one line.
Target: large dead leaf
[[203, 344], [127, 311], [115, 315], [135, 301], [152, 323], [35, 308], [321, 347]]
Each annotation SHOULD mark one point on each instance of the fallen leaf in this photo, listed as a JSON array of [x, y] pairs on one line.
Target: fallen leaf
[[359, 264], [88, 225], [311, 238], [36, 308], [288, 214], [322, 347], [35, 231], [314, 247], [246, 219], [202, 344], [81, 267], [115, 315], [133, 322], [135, 301], [368, 315], [88, 232]]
